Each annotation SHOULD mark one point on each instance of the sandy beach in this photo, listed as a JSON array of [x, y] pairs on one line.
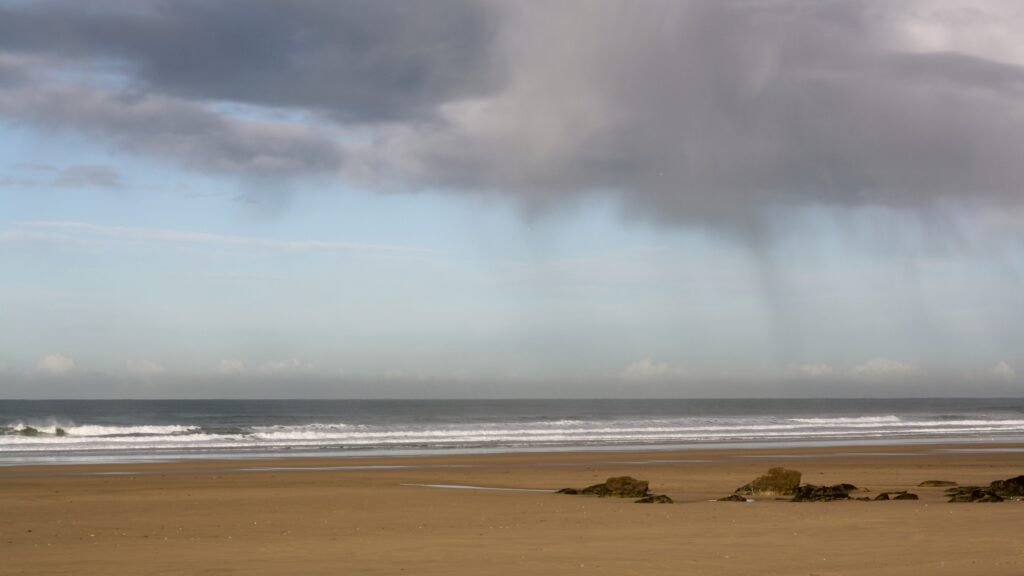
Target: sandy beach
[[387, 516]]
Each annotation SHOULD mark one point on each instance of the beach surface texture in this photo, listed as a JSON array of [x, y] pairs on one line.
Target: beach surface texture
[[439, 515]]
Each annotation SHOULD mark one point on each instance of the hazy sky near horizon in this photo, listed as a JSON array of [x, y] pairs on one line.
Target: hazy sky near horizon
[[251, 198]]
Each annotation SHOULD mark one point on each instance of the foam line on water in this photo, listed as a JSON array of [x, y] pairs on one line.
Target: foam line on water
[[849, 420]]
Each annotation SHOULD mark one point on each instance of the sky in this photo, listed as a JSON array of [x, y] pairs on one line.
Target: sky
[[473, 198]]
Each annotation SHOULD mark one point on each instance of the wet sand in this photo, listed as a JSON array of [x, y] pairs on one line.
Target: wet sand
[[386, 516]]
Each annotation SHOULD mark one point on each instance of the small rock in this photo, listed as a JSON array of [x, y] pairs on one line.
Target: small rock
[[1011, 488], [882, 496], [905, 496], [655, 499], [936, 484], [568, 491], [812, 493], [732, 498], [974, 494], [777, 482], [620, 486]]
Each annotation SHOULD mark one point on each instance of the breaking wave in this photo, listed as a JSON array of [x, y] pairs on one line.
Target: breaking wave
[[520, 435]]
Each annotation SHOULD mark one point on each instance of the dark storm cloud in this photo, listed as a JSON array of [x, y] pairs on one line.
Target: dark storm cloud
[[699, 111], [360, 60]]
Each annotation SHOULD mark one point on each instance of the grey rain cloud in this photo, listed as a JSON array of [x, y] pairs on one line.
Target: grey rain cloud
[[701, 111], [11, 73], [180, 130]]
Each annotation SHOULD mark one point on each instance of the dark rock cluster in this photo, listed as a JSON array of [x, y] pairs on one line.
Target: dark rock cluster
[[998, 491], [812, 493], [622, 487], [1010, 488], [973, 494], [783, 482]]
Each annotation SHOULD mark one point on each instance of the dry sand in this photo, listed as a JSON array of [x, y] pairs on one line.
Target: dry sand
[[215, 518]]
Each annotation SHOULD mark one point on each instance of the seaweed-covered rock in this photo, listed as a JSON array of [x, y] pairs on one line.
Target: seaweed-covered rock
[[936, 484], [812, 493], [974, 494], [732, 498], [777, 482], [1010, 488], [655, 499], [60, 432], [620, 486]]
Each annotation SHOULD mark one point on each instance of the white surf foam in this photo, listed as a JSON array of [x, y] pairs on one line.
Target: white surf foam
[[340, 435], [848, 420]]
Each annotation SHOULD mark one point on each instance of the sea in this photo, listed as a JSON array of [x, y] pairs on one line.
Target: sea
[[100, 431]]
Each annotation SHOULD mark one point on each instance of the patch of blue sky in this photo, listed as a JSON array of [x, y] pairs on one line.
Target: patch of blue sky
[[466, 282]]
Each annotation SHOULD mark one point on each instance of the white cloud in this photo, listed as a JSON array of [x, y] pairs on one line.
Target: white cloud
[[1002, 371], [811, 370], [231, 366], [145, 368], [886, 369], [57, 364], [646, 369], [286, 365], [989, 29]]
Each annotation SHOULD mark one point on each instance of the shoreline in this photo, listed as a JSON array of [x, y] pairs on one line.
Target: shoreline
[[85, 458], [136, 431], [493, 514], [516, 459]]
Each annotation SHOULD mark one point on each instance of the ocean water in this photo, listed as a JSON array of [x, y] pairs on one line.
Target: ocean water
[[138, 430]]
